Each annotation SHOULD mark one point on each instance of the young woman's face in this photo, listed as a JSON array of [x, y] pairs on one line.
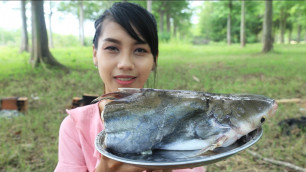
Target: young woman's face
[[122, 61]]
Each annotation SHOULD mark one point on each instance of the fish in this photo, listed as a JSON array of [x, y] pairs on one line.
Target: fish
[[142, 120]]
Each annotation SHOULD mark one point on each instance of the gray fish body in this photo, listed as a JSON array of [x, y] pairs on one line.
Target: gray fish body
[[146, 119]]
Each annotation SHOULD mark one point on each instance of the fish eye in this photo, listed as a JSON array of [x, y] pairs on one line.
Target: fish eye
[[262, 120]]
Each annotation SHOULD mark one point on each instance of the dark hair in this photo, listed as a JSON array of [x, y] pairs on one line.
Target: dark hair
[[130, 15]]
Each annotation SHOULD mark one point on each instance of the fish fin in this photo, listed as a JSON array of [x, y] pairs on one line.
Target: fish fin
[[148, 152], [218, 143], [112, 96], [130, 90]]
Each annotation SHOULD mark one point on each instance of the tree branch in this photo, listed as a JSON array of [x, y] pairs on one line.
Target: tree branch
[[282, 163]]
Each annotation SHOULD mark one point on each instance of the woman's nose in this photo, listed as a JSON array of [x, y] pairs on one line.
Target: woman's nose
[[126, 62]]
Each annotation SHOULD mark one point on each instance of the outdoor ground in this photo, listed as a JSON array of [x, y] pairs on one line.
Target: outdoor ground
[[29, 142]]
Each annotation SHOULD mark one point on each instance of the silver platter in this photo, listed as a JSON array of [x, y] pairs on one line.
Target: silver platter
[[165, 159]]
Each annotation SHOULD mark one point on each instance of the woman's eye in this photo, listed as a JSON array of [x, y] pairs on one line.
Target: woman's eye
[[112, 49], [140, 51]]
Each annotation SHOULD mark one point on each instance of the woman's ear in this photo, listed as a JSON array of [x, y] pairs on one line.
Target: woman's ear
[[94, 56]]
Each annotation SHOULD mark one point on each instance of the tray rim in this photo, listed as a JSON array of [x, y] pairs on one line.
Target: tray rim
[[204, 160]]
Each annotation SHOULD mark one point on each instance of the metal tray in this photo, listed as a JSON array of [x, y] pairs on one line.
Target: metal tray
[[165, 159]]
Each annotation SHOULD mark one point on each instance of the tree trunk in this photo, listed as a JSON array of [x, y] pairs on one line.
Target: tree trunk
[[81, 23], [168, 21], [149, 5], [174, 28], [50, 27], [299, 27], [24, 37], [242, 24], [40, 48], [289, 36], [161, 21], [282, 25], [229, 23], [267, 27]]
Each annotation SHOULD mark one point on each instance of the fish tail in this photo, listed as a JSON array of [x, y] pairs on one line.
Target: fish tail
[[112, 96]]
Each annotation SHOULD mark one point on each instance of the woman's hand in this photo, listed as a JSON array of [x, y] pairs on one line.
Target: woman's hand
[[102, 104], [109, 165]]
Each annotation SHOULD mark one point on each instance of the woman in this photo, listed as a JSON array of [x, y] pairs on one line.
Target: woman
[[125, 51]]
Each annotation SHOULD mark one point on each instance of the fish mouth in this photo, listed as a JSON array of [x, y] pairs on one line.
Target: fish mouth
[[273, 109], [270, 113]]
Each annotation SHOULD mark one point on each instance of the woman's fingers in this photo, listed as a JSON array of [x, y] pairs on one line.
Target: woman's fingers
[[102, 104], [112, 165]]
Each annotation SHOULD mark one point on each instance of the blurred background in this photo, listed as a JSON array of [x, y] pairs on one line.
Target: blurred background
[[72, 22], [220, 46]]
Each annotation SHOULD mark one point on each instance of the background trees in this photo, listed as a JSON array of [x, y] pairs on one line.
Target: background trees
[[219, 21], [40, 53], [267, 27], [84, 10], [214, 18], [24, 36], [288, 21], [173, 18]]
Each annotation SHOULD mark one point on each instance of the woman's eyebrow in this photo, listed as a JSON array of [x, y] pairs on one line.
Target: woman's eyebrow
[[112, 40], [119, 42], [140, 42]]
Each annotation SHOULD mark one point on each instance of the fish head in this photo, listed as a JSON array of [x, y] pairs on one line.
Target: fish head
[[251, 111]]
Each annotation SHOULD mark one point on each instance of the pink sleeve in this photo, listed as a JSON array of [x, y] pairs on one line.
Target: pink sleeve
[[70, 155]]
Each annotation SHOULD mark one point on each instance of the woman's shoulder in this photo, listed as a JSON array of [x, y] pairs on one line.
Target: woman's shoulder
[[83, 116], [84, 112]]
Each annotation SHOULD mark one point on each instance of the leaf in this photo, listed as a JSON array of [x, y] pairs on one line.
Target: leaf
[[195, 78]]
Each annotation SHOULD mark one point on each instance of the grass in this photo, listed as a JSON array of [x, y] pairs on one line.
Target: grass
[[29, 142]]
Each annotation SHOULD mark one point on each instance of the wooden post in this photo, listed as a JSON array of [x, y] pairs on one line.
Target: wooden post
[[22, 104], [9, 103], [14, 103], [76, 102]]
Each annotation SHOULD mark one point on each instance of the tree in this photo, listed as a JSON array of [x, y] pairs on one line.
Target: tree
[[267, 27], [40, 49], [228, 35], [84, 10], [177, 17], [180, 15], [298, 18], [289, 27], [213, 21], [24, 36], [282, 13], [50, 25], [81, 22], [242, 25], [149, 5], [205, 21], [161, 12]]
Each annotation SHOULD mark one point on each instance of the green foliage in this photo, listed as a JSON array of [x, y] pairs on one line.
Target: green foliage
[[64, 40], [179, 13], [164, 36], [92, 9], [10, 37], [297, 12], [213, 20], [29, 142]]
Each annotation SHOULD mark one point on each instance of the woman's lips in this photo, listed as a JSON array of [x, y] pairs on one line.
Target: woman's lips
[[125, 79]]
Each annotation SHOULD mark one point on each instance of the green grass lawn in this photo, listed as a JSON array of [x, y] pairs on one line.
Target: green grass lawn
[[29, 142]]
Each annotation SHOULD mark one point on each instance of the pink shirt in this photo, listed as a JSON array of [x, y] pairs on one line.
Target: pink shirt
[[76, 149]]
